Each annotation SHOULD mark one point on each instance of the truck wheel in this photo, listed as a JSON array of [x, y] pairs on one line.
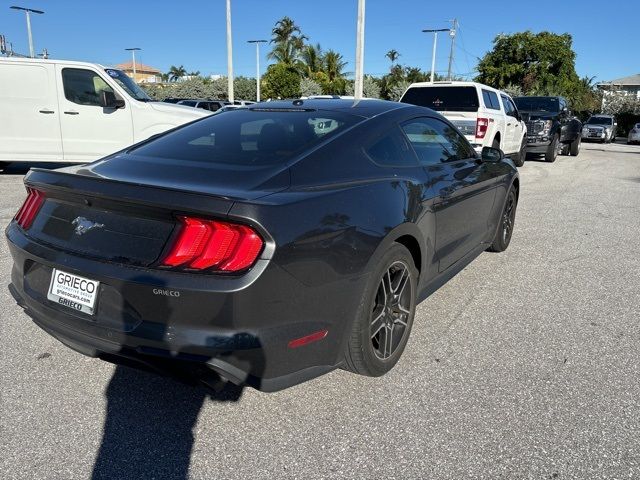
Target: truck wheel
[[519, 157], [574, 149], [552, 150]]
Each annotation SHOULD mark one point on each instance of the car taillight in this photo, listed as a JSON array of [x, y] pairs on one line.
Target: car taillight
[[482, 124], [211, 244], [27, 213]]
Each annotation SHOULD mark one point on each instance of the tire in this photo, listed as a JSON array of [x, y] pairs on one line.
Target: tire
[[574, 149], [372, 349], [564, 149], [552, 150], [507, 222], [519, 159]]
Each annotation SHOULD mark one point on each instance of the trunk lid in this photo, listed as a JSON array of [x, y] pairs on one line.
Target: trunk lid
[[112, 220]]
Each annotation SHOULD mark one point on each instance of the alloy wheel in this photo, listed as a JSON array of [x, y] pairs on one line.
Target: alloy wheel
[[391, 310], [508, 219]]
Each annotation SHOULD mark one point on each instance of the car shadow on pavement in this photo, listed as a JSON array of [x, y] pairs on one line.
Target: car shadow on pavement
[[149, 420], [148, 429]]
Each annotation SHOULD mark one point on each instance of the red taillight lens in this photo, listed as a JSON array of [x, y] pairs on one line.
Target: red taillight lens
[[27, 213], [221, 246], [482, 124]]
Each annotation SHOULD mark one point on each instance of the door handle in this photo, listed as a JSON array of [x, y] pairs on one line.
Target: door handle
[[508, 124], [72, 112], [45, 110]]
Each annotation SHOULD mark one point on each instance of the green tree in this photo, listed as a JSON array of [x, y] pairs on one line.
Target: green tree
[[333, 81], [392, 55], [540, 63], [312, 58], [370, 87], [288, 41], [176, 73], [309, 87], [281, 81], [244, 88]]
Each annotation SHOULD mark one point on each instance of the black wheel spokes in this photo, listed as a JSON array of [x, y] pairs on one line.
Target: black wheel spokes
[[391, 310], [507, 219]]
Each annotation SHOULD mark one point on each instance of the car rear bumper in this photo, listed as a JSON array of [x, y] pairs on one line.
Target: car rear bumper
[[237, 327]]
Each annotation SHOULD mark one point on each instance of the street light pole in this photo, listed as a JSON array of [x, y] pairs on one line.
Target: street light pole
[[433, 54], [359, 80], [28, 12], [452, 33], [257, 42], [133, 58], [229, 53]]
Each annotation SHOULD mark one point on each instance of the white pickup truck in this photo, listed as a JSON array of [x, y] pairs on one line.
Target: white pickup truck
[[486, 117], [64, 111]]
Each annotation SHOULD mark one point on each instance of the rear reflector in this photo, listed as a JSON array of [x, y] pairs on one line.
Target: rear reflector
[[482, 124], [211, 244], [27, 213], [314, 337]]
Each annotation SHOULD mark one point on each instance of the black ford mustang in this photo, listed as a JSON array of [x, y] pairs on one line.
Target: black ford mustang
[[268, 245]]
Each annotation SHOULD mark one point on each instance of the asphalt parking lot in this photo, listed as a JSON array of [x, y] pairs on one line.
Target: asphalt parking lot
[[525, 365]]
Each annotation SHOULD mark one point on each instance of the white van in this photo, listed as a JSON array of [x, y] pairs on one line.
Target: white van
[[63, 111], [486, 117]]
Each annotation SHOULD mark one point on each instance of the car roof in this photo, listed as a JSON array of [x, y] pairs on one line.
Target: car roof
[[365, 107]]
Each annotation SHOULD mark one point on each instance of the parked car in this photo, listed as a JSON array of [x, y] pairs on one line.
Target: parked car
[[487, 117], [634, 134], [255, 246], [173, 99], [551, 127], [602, 128], [211, 105], [63, 111]]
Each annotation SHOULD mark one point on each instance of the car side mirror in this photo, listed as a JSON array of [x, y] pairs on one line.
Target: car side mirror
[[491, 155], [108, 100]]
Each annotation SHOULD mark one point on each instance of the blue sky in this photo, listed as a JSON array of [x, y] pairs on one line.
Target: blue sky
[[192, 32]]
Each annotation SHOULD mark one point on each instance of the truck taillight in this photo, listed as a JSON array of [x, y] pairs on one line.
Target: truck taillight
[[27, 213], [211, 244], [482, 124]]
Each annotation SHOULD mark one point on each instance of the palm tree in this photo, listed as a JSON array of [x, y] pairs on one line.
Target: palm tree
[[392, 55], [288, 40], [164, 77], [176, 72], [312, 59], [333, 65], [194, 74]]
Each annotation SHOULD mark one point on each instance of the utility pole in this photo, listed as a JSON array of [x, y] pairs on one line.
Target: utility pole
[[257, 42], [452, 34], [133, 59], [28, 12], [229, 53], [435, 41], [359, 80]]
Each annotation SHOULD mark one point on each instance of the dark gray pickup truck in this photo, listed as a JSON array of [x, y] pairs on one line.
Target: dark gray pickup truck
[[551, 127]]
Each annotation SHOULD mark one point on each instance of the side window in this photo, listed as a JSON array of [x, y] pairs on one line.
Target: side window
[[435, 141], [83, 86], [513, 108], [490, 100], [392, 150], [508, 107]]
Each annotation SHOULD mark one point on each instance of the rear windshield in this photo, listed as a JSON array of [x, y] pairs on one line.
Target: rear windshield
[[248, 137], [538, 104], [600, 121], [449, 99]]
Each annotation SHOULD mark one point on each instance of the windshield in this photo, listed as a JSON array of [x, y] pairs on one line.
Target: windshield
[[600, 121], [250, 138], [538, 104], [450, 99], [131, 87]]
